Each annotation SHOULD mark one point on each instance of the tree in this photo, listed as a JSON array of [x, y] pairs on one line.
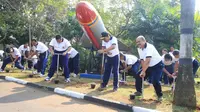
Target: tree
[[185, 92]]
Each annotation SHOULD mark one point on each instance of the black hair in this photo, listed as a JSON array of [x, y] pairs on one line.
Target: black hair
[[104, 34], [8, 49], [168, 57], [164, 49], [58, 37], [176, 52]]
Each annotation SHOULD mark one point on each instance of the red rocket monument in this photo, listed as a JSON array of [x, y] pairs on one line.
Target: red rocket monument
[[92, 25], [90, 22]]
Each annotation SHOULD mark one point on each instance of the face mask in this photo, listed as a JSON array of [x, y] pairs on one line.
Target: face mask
[[176, 59], [122, 61], [167, 62]]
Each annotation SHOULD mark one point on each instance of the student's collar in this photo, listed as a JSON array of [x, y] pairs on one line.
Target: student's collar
[[111, 37], [124, 58], [145, 46]]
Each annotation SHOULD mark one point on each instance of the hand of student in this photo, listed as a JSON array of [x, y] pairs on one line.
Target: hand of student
[[64, 53], [142, 74], [13, 63], [169, 75], [100, 51], [122, 71], [52, 53], [29, 57]]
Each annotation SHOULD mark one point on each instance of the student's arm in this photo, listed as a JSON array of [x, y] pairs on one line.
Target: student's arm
[[168, 74], [176, 67], [15, 58], [128, 68], [110, 48], [145, 65], [51, 50], [68, 49]]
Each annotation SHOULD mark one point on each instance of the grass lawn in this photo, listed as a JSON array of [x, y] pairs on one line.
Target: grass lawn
[[122, 95]]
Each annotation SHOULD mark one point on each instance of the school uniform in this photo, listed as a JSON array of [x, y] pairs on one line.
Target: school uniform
[[154, 69], [33, 62], [195, 65], [11, 58], [42, 49], [112, 62], [23, 53], [131, 60], [74, 59], [169, 68], [59, 48]]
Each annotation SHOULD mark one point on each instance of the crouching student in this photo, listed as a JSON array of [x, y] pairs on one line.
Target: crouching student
[[195, 64], [32, 62], [74, 62], [168, 69], [14, 58], [131, 64]]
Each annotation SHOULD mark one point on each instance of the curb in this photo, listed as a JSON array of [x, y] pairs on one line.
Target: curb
[[77, 95]]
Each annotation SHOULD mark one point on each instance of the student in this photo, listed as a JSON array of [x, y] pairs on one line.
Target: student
[[32, 62], [131, 64], [110, 47], [24, 48], [151, 61], [14, 58], [168, 70], [42, 53], [60, 46], [74, 62], [195, 64]]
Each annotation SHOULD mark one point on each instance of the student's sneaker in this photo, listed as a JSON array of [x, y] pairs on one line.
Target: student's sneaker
[[67, 80], [138, 94], [47, 79], [41, 75], [74, 75], [23, 70], [35, 72], [115, 89], [160, 98], [1, 70]]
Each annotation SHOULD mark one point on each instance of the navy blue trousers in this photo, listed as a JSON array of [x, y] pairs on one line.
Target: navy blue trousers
[[9, 60], [155, 72], [74, 64], [30, 65], [134, 70], [112, 63], [63, 62], [195, 67], [42, 62]]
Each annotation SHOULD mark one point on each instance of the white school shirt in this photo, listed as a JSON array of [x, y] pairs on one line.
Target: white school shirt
[[72, 53], [1, 53], [15, 53], [63, 46], [130, 59], [41, 47], [23, 50], [150, 51], [115, 51], [34, 59]]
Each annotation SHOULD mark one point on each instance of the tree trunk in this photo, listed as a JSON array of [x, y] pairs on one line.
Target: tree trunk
[[184, 94]]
